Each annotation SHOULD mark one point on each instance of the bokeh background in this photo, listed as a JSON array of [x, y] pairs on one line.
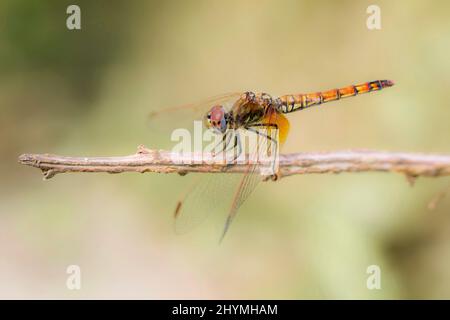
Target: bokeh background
[[88, 92]]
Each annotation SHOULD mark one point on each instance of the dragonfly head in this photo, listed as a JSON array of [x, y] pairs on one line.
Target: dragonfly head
[[216, 119]]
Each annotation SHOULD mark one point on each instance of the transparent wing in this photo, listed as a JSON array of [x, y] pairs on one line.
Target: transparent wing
[[265, 151], [223, 194], [209, 194], [245, 187]]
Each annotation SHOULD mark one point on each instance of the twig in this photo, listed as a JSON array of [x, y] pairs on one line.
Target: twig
[[412, 165]]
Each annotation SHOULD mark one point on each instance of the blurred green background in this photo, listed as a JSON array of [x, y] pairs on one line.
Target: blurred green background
[[88, 92]]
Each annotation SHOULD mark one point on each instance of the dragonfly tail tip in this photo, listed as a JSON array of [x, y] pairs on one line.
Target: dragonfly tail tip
[[387, 83]]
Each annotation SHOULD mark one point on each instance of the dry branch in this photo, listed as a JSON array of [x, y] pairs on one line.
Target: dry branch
[[411, 164]]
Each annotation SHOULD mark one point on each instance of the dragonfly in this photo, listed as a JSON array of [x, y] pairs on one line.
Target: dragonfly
[[227, 116]]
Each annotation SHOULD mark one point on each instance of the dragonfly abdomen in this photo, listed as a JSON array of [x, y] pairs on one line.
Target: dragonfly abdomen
[[291, 103]]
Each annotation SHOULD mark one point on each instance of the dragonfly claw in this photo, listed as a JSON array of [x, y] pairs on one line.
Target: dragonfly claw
[[272, 177]]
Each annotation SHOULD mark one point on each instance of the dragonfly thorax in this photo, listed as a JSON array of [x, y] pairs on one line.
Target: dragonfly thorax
[[247, 111]]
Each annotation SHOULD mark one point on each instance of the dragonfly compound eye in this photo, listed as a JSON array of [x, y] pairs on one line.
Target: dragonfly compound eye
[[216, 119]]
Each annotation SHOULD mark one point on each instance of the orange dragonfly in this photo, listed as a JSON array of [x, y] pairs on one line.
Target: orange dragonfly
[[260, 114]]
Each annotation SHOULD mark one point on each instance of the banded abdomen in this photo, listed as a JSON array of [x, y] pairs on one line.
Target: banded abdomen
[[291, 103]]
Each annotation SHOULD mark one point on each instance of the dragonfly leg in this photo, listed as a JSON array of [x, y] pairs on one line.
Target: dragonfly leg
[[226, 138], [267, 125], [237, 149], [274, 176], [238, 145], [263, 134], [229, 146]]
